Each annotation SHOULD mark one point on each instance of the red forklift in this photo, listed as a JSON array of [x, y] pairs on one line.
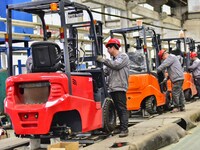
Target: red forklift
[[58, 98], [146, 91], [180, 50]]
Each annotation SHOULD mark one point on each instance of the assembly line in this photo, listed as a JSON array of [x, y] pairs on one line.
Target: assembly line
[[128, 92]]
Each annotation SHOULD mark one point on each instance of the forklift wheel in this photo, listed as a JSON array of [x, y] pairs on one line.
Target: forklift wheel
[[150, 105], [109, 115], [187, 94]]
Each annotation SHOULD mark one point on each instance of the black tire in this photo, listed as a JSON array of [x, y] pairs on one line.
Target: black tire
[[188, 95], [160, 109], [168, 103], [150, 104], [109, 115]]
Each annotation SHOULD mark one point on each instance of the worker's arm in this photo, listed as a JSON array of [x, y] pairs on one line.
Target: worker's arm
[[118, 63], [107, 71], [166, 63], [193, 66]]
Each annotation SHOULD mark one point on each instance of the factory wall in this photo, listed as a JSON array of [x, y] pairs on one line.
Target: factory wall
[[15, 15]]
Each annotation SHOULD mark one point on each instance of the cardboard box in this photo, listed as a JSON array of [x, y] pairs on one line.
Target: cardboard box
[[3, 134], [64, 146]]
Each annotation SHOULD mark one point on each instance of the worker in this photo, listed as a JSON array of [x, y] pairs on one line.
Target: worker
[[175, 73], [195, 69], [117, 70]]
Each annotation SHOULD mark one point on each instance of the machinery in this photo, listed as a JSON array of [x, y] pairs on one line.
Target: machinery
[[180, 50], [145, 91], [58, 98], [197, 45]]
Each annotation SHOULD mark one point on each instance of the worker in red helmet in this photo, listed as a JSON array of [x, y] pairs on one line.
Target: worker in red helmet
[[161, 53], [114, 41], [175, 74], [117, 69], [195, 69]]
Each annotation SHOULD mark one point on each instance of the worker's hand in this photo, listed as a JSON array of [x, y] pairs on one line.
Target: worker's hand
[[100, 58], [165, 79]]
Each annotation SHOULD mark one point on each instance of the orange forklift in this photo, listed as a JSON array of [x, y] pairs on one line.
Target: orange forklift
[[184, 56], [146, 92]]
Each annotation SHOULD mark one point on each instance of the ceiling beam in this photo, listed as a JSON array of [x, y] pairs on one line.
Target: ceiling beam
[[118, 4], [146, 13], [150, 14], [172, 21], [113, 24], [138, 10], [92, 5]]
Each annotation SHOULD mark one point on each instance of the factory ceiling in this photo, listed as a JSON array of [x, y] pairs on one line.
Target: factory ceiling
[[178, 15]]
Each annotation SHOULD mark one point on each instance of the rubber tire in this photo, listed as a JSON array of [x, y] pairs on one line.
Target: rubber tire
[[160, 109], [188, 95], [150, 105], [109, 115]]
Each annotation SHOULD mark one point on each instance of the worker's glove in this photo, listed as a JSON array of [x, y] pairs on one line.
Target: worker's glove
[[158, 71], [189, 70], [164, 81], [100, 58]]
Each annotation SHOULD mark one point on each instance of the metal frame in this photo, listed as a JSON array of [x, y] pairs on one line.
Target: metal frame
[[184, 40], [39, 8], [123, 31]]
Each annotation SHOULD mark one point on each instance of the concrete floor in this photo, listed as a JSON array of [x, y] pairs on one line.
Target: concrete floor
[[151, 134], [156, 132]]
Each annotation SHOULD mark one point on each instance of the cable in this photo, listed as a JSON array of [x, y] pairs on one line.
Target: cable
[[134, 20]]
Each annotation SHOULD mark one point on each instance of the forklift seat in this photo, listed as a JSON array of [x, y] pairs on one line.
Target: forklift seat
[[46, 57]]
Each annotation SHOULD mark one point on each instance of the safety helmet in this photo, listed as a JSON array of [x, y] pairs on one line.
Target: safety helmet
[[161, 53], [193, 54], [113, 41]]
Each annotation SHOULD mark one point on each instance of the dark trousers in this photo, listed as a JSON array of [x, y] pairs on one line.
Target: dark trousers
[[177, 94], [119, 98], [197, 84]]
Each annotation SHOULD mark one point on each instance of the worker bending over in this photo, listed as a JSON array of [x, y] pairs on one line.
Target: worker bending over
[[195, 69], [175, 73]]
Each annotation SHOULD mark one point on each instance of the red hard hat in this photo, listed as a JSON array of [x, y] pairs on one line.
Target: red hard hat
[[160, 53], [113, 41], [193, 54]]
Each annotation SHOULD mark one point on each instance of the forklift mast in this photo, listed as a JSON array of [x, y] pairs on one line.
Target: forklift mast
[[191, 45], [138, 43], [182, 51], [73, 45], [178, 46], [139, 40], [156, 44], [198, 51]]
